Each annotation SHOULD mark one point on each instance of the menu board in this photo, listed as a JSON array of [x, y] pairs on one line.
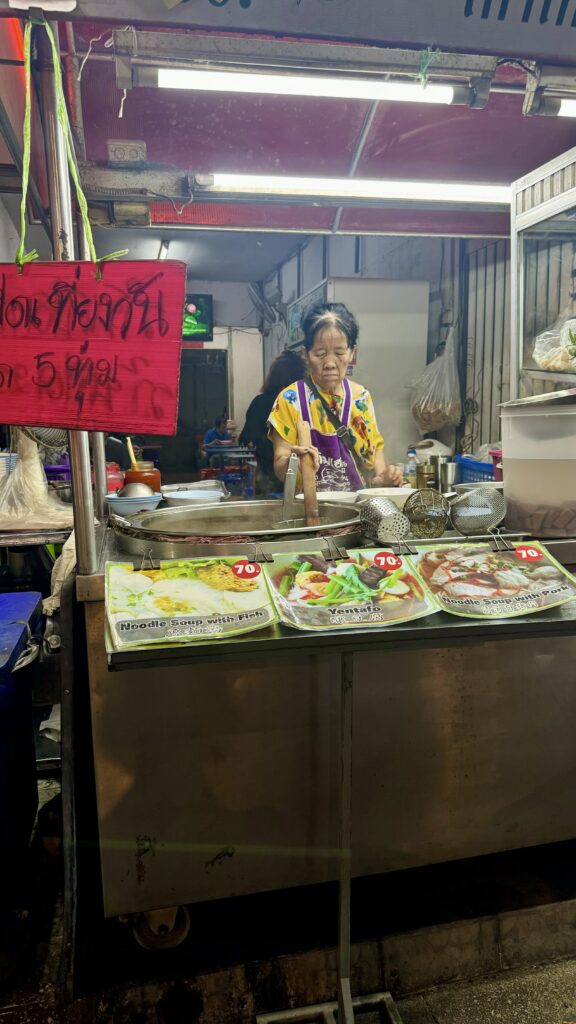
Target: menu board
[[475, 581], [185, 600], [368, 588]]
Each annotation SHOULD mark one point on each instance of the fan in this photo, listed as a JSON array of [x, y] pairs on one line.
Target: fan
[[52, 438], [272, 310], [273, 313]]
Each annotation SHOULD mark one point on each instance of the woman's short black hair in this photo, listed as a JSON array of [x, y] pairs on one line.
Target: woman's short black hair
[[329, 314], [285, 369]]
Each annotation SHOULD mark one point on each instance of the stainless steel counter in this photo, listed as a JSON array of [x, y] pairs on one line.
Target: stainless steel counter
[[217, 768]]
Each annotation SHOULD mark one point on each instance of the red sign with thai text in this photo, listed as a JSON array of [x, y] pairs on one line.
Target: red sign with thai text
[[92, 353]]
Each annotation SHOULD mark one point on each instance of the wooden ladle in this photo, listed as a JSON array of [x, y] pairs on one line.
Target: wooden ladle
[[134, 463], [308, 474]]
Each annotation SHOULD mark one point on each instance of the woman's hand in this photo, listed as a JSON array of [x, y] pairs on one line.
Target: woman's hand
[[391, 476], [311, 450]]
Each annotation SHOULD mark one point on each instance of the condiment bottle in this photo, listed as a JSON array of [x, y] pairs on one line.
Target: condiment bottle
[[411, 469], [145, 473], [114, 477]]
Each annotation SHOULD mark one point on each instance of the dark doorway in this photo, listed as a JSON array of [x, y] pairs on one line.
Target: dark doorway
[[203, 397]]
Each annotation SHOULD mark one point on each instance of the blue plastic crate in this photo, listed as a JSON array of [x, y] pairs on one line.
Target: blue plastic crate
[[472, 471]]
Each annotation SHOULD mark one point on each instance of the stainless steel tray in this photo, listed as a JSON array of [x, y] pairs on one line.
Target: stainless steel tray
[[234, 528]]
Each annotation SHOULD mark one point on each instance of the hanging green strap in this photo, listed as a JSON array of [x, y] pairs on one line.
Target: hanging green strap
[[426, 58], [64, 122], [21, 257]]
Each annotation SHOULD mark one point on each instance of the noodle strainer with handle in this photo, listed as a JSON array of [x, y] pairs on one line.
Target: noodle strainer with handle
[[428, 513], [478, 511], [382, 521]]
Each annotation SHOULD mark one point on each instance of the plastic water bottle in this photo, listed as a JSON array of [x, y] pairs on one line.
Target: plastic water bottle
[[410, 469]]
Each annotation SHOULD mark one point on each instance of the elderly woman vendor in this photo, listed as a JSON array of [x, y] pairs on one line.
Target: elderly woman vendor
[[347, 446]]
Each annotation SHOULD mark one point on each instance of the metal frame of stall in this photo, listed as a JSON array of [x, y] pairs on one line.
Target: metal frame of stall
[[62, 233], [62, 226], [544, 193]]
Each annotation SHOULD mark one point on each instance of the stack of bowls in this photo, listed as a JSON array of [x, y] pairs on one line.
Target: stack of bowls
[[192, 497], [130, 505]]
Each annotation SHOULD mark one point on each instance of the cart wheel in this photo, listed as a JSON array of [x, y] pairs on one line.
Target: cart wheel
[[164, 937]]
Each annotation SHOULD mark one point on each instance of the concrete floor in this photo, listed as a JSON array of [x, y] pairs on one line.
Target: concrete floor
[[233, 994], [539, 995]]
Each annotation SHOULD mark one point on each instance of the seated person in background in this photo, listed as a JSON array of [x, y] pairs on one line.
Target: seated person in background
[[217, 434], [286, 368], [215, 438]]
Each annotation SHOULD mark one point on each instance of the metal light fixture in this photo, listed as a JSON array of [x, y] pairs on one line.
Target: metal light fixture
[[343, 87], [235, 187], [297, 68], [551, 91]]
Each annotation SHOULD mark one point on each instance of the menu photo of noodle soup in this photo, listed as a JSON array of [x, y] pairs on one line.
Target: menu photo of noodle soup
[[474, 580], [369, 587], [185, 600]]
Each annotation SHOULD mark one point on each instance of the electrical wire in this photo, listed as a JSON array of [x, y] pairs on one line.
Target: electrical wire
[[517, 63], [108, 44]]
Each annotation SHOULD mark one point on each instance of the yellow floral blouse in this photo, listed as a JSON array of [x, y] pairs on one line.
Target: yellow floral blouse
[[286, 413]]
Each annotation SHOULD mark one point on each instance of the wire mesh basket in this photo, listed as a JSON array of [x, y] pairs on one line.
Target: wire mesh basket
[[478, 511], [428, 513]]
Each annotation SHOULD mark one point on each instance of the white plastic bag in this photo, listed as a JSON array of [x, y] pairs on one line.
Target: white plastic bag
[[436, 401], [555, 348], [25, 501]]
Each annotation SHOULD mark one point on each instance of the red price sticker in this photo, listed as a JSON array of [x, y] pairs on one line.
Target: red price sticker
[[246, 570], [527, 553], [387, 560]]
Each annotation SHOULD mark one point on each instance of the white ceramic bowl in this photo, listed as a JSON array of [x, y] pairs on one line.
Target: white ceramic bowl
[[129, 506], [399, 495], [182, 497], [344, 497]]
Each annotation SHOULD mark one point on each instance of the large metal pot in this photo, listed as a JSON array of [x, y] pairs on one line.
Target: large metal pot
[[239, 526]]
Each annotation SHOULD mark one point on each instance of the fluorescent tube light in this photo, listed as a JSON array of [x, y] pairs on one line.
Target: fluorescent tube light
[[303, 85], [567, 108], [355, 188]]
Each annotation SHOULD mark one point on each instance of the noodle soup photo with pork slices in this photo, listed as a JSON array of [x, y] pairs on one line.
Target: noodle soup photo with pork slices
[[474, 580], [312, 593]]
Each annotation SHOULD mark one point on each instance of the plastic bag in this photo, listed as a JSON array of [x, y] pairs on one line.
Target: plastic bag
[[25, 501], [436, 401], [555, 348]]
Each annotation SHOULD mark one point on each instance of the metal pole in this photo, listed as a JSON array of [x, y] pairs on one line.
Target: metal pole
[[63, 249], [73, 92], [56, 161], [345, 1008], [100, 485]]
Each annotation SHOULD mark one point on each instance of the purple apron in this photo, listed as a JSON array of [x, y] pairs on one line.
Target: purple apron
[[337, 467]]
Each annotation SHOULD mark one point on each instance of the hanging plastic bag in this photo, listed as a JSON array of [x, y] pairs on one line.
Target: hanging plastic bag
[[436, 401], [25, 501], [555, 348]]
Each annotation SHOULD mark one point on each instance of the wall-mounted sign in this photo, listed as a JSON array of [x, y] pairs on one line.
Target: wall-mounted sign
[[528, 28], [297, 309], [86, 353]]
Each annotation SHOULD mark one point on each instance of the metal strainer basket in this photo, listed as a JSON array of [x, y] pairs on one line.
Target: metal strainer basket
[[428, 513], [382, 521], [478, 511]]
